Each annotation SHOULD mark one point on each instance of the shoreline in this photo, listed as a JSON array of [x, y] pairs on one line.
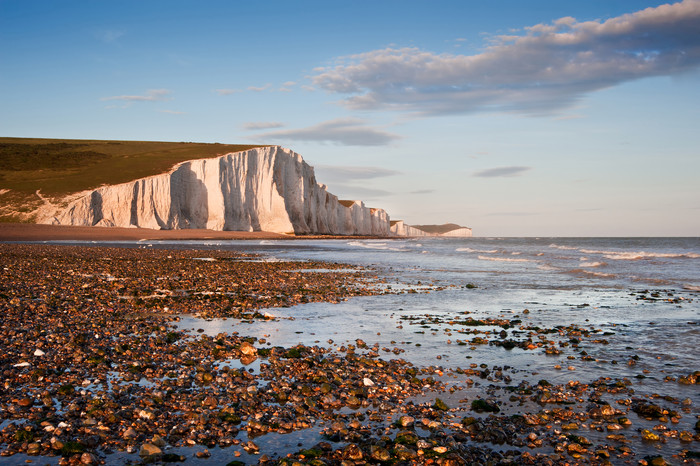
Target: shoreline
[[33, 232]]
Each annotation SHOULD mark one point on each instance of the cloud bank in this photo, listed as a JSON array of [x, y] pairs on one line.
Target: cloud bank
[[545, 69], [343, 131], [502, 172], [258, 125]]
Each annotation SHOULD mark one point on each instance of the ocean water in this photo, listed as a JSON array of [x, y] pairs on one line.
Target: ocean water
[[644, 291]]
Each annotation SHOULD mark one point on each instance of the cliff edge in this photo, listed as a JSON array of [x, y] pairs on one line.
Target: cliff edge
[[262, 189]]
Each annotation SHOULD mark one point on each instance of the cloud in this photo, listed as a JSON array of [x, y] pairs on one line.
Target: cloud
[[259, 88], [330, 173], [423, 191], [226, 91], [541, 70], [258, 125], [502, 172], [343, 131], [172, 112], [152, 95], [287, 86]]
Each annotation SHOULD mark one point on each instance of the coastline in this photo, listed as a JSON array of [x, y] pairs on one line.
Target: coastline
[[32, 232]]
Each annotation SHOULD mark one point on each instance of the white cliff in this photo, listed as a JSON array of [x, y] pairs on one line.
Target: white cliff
[[399, 228], [263, 189]]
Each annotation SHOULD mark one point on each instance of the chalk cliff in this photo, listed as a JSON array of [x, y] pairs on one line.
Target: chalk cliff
[[399, 228], [262, 189]]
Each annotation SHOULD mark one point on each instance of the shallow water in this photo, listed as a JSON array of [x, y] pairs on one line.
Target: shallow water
[[635, 300]]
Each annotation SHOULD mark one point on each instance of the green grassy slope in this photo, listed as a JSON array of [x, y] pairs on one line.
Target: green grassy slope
[[59, 167]]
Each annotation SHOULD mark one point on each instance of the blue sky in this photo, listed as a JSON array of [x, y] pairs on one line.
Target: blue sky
[[540, 118]]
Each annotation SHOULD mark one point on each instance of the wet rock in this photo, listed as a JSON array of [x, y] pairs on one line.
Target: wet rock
[[148, 449], [88, 458], [379, 454], [352, 452], [404, 453], [406, 421]]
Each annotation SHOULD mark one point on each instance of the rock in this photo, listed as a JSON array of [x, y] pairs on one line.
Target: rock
[[404, 453], [441, 405], [39, 353], [33, 449], [406, 421], [248, 349], [158, 441], [352, 452], [379, 454], [130, 433], [148, 449], [649, 436], [88, 458]]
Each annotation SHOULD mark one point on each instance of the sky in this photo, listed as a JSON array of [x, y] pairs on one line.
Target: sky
[[538, 118]]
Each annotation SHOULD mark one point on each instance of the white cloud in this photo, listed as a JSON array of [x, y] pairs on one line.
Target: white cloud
[[226, 91], [502, 172], [258, 125], [343, 131], [259, 88], [542, 70], [172, 112], [152, 95]]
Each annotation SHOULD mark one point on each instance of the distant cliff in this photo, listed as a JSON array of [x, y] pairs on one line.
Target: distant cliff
[[263, 189], [399, 228]]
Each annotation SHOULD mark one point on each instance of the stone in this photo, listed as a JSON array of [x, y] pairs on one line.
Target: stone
[[148, 449]]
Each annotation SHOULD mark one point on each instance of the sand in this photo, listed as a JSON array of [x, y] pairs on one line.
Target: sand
[[34, 232]]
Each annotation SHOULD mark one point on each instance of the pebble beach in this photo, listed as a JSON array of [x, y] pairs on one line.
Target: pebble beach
[[98, 368]]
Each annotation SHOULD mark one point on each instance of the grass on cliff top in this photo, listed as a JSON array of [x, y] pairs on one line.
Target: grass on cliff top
[[63, 166]]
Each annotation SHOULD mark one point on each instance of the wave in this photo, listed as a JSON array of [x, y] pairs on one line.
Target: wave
[[691, 287], [481, 251], [637, 255], [566, 248], [589, 272], [374, 245], [502, 259], [592, 264]]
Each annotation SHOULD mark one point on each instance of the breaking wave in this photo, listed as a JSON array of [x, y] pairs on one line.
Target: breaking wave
[[633, 256], [503, 259], [481, 251], [592, 264], [566, 248]]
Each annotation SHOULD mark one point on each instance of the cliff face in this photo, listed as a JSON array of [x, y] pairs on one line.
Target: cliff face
[[263, 189], [399, 228]]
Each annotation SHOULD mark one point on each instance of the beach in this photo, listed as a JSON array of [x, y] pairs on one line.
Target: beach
[[38, 232], [348, 352]]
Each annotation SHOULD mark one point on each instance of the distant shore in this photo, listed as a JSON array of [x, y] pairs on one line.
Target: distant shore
[[37, 232]]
